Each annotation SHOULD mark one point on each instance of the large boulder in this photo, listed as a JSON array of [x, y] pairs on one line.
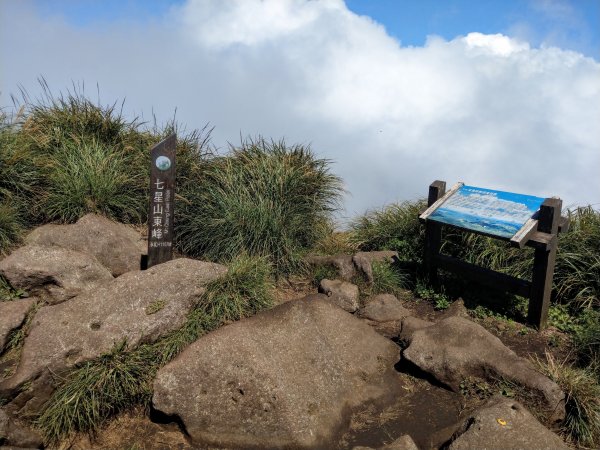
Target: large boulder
[[286, 378], [456, 348], [53, 274], [12, 316], [117, 246], [137, 307], [506, 424], [384, 308], [341, 293]]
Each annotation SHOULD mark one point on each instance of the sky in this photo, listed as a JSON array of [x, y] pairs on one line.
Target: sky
[[501, 94]]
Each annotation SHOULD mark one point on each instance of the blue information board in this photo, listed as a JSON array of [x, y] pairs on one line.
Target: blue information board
[[486, 211]]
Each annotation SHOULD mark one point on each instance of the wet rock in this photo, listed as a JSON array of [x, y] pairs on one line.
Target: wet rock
[[341, 293], [117, 247], [363, 261], [137, 307], [285, 378], [384, 308], [53, 274], [342, 263], [504, 423], [12, 316], [456, 348]]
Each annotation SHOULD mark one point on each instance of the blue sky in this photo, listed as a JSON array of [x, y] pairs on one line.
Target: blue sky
[[573, 24], [396, 94]]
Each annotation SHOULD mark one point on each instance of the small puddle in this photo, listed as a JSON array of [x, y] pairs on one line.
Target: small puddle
[[429, 414]]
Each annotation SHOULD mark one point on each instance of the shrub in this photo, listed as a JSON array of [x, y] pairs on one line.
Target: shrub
[[387, 278], [122, 378], [587, 341], [10, 226], [264, 199], [395, 227]]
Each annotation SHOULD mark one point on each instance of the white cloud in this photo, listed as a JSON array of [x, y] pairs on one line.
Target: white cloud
[[485, 109]]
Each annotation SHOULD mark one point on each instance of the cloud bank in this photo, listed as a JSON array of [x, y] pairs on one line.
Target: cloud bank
[[485, 109]]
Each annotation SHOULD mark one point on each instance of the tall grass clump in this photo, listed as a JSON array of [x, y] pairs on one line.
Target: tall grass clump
[[123, 377], [264, 199], [395, 227], [582, 422]]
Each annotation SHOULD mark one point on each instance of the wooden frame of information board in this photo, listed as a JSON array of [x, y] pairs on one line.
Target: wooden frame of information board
[[540, 231]]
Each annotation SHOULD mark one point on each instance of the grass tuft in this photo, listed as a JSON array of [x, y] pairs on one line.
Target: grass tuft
[[582, 422]]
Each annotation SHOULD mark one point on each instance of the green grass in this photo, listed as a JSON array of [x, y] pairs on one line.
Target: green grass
[[582, 423], [395, 227], [264, 199], [387, 278], [98, 389]]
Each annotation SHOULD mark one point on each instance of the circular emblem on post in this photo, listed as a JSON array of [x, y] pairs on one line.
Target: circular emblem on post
[[163, 163]]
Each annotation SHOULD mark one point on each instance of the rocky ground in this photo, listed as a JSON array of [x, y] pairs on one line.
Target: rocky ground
[[324, 369]]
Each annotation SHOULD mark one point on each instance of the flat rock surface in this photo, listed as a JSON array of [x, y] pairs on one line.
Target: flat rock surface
[[12, 315], [137, 307], [341, 293], [53, 274], [505, 424], [285, 378], [384, 308], [118, 247], [456, 348]]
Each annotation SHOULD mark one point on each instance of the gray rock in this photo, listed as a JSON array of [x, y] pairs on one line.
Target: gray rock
[[342, 263], [384, 308], [411, 324], [456, 348], [404, 442], [117, 246], [12, 316], [16, 434], [285, 378], [53, 274], [137, 307], [456, 309], [363, 261], [341, 293], [506, 424]]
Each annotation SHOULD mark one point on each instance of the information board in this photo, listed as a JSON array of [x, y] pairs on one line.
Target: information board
[[486, 211]]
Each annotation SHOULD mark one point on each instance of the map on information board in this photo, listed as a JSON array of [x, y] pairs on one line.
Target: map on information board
[[486, 211]]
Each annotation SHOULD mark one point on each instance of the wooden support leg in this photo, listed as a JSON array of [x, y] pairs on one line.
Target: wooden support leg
[[433, 233], [543, 265]]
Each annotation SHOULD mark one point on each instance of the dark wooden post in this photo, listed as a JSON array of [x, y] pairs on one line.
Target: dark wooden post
[[162, 201], [433, 233], [543, 264]]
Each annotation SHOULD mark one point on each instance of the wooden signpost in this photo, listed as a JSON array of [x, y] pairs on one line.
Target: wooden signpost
[[162, 201], [522, 220]]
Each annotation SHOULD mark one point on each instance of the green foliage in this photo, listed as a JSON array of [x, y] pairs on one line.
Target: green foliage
[[322, 272], [122, 378], [440, 300], [265, 199], [93, 178], [7, 292], [395, 227], [11, 226], [587, 341], [387, 278], [582, 422]]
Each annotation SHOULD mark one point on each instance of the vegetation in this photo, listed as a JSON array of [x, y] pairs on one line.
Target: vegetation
[[265, 199], [123, 377]]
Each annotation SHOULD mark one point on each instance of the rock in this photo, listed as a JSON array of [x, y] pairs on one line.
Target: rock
[[384, 308], [16, 434], [404, 442], [411, 324], [363, 261], [53, 274], [286, 378], [138, 307], [504, 423], [456, 309], [456, 348], [342, 263], [118, 247], [12, 316], [341, 293]]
